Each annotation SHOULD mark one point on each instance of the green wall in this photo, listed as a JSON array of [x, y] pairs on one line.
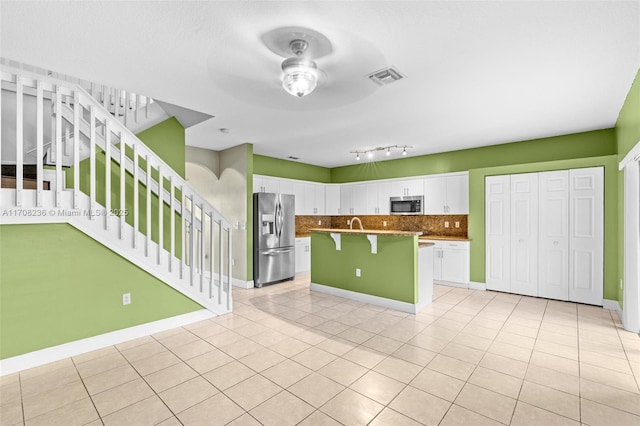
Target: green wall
[[627, 136], [167, 140], [577, 145], [270, 166], [628, 123], [391, 273], [59, 285]]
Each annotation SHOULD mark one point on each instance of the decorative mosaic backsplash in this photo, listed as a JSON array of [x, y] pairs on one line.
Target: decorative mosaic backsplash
[[429, 225]]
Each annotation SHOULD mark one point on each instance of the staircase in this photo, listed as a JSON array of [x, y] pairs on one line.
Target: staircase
[[133, 203]]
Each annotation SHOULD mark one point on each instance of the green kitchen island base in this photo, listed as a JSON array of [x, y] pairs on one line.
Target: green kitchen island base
[[385, 268]]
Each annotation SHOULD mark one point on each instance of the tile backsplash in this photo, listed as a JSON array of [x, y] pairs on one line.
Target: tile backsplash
[[429, 225]]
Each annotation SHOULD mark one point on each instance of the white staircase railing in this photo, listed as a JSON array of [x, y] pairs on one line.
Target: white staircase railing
[[134, 202], [126, 106]]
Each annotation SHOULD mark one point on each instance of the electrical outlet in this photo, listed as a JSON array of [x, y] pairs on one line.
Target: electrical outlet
[[319, 222], [621, 284], [384, 223], [126, 299], [233, 262], [358, 272], [446, 223], [457, 224], [348, 222]]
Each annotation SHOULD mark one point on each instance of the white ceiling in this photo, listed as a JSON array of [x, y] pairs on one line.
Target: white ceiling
[[479, 72]]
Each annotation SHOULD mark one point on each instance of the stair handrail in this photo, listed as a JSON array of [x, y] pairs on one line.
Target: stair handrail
[[51, 83]]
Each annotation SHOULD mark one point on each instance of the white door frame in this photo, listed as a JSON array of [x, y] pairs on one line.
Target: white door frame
[[631, 295]]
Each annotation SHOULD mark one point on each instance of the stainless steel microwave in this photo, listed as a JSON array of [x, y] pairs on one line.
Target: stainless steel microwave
[[406, 205]]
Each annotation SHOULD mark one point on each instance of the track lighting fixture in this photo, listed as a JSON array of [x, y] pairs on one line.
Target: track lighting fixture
[[370, 152]]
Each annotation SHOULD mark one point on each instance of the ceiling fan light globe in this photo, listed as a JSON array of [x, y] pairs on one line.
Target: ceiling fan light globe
[[300, 76]]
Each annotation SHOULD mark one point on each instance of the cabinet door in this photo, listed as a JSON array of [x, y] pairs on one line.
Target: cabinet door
[[318, 199], [457, 194], [332, 200], [586, 235], [435, 195], [524, 234], [287, 186], [346, 199], [371, 199], [437, 263], [301, 202], [359, 199], [497, 229], [384, 195], [263, 184], [414, 187], [455, 265], [553, 219]]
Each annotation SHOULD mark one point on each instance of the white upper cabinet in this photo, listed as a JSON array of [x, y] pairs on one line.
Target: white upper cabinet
[[446, 194], [385, 192], [332, 200], [314, 199], [409, 187], [264, 184], [347, 202]]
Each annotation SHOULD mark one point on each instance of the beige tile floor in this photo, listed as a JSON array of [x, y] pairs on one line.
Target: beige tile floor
[[290, 356]]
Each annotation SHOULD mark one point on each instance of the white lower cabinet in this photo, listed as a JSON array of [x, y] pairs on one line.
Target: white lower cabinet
[[303, 255], [544, 234], [450, 261]]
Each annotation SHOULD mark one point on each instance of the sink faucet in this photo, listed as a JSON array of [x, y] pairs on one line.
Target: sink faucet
[[359, 221]]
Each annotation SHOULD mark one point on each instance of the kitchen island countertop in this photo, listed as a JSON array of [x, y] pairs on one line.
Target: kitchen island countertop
[[368, 232], [443, 237]]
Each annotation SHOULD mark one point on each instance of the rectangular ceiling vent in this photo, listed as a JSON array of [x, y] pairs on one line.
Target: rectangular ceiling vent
[[386, 76]]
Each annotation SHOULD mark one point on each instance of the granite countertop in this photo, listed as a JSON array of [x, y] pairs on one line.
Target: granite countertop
[[444, 238], [368, 232]]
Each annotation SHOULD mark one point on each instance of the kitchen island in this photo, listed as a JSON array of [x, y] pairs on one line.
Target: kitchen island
[[385, 268]]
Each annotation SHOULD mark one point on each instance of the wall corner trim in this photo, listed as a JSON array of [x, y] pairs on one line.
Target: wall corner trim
[[632, 155], [66, 350], [477, 286], [241, 283], [612, 305]]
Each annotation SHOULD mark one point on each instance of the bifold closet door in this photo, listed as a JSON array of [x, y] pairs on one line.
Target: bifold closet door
[[553, 253], [498, 232], [586, 235], [524, 234]]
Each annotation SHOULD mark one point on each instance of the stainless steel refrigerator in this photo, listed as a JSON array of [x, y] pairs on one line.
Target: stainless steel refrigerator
[[274, 237]]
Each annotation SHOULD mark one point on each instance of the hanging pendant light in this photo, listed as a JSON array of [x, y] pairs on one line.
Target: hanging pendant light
[[300, 74]]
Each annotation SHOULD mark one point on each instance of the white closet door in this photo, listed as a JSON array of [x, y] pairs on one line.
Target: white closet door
[[586, 235], [524, 234], [553, 253], [497, 229]]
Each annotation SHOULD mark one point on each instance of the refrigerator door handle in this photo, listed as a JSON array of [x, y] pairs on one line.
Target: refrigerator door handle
[[277, 251], [279, 218]]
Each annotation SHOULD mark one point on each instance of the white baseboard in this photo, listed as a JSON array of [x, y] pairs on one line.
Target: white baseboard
[[241, 283], [477, 286], [397, 305], [66, 350], [612, 305], [451, 284]]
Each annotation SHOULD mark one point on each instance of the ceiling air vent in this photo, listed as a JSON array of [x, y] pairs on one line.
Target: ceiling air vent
[[386, 76]]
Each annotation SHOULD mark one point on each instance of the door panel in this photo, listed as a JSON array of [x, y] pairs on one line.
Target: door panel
[[586, 276], [553, 253], [524, 234], [497, 218]]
